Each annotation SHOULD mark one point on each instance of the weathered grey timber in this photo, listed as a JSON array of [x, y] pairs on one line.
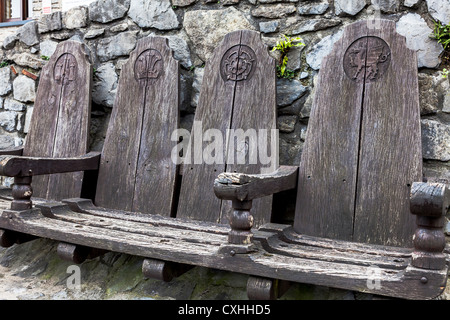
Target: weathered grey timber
[[63, 103], [360, 175], [136, 170], [56, 148], [359, 161], [276, 254], [61, 130], [240, 99]]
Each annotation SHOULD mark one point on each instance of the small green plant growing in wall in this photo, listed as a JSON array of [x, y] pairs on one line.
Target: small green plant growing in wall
[[4, 63], [283, 46], [441, 33]]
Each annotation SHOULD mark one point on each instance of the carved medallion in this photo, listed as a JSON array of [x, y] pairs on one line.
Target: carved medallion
[[367, 58], [149, 65], [65, 70], [238, 63]]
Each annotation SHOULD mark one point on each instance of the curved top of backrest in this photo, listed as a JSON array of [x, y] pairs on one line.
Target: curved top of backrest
[[61, 117], [136, 170], [238, 93], [363, 147]]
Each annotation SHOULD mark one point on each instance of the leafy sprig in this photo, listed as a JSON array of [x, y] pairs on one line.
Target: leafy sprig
[[283, 46]]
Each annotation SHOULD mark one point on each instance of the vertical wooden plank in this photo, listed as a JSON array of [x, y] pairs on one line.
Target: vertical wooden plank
[[72, 133], [156, 172], [254, 109], [391, 158], [328, 168], [115, 186], [240, 99], [60, 125], [132, 173], [197, 199]]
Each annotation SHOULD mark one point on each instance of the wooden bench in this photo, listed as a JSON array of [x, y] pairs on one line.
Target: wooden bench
[[364, 219], [59, 129], [139, 183], [361, 162]]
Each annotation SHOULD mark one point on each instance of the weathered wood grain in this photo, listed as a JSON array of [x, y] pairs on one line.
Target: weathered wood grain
[[136, 170], [362, 151], [23, 166], [254, 108], [405, 283], [390, 157], [248, 103], [241, 186], [60, 127], [328, 168], [214, 111], [86, 206]]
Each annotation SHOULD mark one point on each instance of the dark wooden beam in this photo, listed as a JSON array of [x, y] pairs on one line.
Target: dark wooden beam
[[266, 289], [163, 270], [14, 166]]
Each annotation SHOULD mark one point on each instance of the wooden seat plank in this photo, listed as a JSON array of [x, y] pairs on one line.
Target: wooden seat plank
[[259, 263], [188, 232]]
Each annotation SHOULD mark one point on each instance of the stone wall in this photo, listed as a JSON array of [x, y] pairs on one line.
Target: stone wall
[[110, 29]]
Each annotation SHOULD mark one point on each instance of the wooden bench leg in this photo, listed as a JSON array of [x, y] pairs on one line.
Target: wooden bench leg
[[76, 253], [22, 192], [163, 270], [9, 238], [266, 289]]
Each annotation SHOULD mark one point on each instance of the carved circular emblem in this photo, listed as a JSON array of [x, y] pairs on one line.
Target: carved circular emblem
[[238, 63], [66, 69], [149, 65], [367, 58]]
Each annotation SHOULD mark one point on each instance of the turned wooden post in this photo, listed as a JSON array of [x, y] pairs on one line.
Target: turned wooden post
[[429, 202], [21, 192], [241, 222]]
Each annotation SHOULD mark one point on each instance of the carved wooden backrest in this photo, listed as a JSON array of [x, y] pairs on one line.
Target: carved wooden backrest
[[136, 170], [61, 118], [363, 146], [238, 92]]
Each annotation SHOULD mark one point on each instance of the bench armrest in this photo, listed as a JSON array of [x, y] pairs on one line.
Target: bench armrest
[[15, 166], [16, 151], [240, 186], [242, 189]]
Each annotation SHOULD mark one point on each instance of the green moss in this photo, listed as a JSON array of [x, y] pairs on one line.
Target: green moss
[[219, 285], [125, 276]]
